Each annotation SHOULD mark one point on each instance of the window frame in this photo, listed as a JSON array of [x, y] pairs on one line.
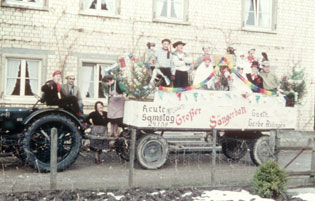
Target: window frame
[[184, 21], [101, 13], [91, 101], [255, 28], [29, 5], [21, 99]]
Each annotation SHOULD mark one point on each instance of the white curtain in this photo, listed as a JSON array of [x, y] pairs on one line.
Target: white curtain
[[33, 71], [87, 81], [177, 9], [12, 74], [87, 4], [265, 12], [161, 7], [249, 12]]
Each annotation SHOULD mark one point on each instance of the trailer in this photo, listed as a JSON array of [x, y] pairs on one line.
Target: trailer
[[187, 121]]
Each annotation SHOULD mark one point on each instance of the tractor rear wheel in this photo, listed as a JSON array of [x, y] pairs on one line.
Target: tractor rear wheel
[[36, 143]]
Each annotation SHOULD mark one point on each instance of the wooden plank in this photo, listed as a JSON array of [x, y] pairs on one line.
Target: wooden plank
[[296, 173], [214, 155], [53, 159], [132, 157], [313, 161]]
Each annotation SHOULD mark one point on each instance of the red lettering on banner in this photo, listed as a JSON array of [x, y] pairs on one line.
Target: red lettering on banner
[[225, 120], [188, 117]]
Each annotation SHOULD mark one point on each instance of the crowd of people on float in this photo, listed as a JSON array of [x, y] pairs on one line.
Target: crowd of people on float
[[176, 69], [167, 68]]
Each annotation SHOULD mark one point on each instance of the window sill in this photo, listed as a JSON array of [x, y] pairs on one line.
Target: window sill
[[25, 6], [170, 21], [99, 14], [258, 29]]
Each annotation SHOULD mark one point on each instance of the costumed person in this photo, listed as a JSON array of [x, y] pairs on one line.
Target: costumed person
[[231, 51], [270, 80], [115, 111], [254, 77], [150, 56], [70, 89], [238, 85], [53, 96], [98, 121], [251, 56], [206, 52], [164, 64], [242, 62], [203, 72], [182, 65]]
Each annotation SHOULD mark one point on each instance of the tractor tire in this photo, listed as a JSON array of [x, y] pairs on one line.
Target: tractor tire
[[261, 151], [36, 142], [151, 151], [234, 149]]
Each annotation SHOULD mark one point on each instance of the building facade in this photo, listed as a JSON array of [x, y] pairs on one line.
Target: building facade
[[85, 37]]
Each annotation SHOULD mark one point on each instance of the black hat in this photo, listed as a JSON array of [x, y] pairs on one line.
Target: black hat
[[178, 43], [167, 40]]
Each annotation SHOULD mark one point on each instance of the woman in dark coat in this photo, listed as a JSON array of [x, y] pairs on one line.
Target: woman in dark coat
[[98, 120]]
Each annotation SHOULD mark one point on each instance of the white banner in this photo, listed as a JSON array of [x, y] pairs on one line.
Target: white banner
[[222, 111]]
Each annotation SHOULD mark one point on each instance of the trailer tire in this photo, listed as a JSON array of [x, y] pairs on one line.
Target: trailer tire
[[234, 149], [261, 152], [36, 142], [151, 151]]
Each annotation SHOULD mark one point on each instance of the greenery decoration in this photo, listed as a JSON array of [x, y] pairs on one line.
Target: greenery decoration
[[269, 180], [294, 85]]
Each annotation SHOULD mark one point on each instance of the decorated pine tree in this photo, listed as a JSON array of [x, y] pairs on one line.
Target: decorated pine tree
[[293, 85]]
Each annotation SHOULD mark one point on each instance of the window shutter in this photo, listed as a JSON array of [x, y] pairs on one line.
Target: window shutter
[[186, 10], [274, 14]]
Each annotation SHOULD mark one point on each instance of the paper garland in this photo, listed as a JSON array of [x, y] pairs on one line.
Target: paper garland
[[196, 86]]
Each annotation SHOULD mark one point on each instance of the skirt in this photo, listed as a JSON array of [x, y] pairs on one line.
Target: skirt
[[97, 144]]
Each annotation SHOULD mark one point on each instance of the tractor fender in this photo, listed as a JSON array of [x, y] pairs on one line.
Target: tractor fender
[[44, 111]]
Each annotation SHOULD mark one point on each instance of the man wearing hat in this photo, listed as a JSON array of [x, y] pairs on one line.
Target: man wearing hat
[[69, 89], [270, 80], [53, 95], [206, 52], [164, 62], [254, 77], [182, 65]]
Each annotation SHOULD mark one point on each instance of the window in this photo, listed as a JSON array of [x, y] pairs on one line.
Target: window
[[26, 3], [171, 10], [100, 7], [91, 80], [259, 14], [22, 77]]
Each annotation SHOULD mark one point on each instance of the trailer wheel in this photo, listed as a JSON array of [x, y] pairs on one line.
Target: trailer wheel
[[151, 151], [261, 151], [234, 149], [36, 142]]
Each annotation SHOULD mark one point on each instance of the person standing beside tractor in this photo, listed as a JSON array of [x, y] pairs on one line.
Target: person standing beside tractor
[[69, 89], [115, 112], [98, 121]]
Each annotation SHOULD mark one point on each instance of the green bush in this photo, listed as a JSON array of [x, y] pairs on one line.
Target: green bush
[[269, 180]]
